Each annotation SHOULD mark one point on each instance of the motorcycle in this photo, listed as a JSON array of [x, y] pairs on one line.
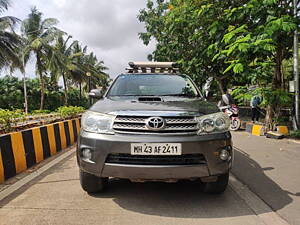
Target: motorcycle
[[233, 112], [230, 109]]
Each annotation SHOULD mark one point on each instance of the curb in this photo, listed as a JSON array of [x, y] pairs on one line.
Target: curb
[[259, 207], [22, 150]]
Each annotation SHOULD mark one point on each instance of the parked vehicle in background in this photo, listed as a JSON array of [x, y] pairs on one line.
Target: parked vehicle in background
[[233, 112], [154, 125], [227, 106]]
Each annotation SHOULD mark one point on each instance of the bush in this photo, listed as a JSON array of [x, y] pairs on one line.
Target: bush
[[295, 134], [77, 99], [9, 118], [70, 111], [37, 112], [11, 93]]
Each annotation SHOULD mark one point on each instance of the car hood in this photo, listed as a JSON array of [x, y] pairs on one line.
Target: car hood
[[113, 105]]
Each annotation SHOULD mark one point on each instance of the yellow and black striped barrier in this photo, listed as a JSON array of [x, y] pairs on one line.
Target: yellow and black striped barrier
[[22, 150], [259, 130]]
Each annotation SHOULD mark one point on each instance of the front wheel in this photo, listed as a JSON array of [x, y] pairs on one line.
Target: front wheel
[[91, 183], [219, 186], [235, 124]]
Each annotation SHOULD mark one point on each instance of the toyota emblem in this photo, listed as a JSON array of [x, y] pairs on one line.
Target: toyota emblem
[[155, 123]]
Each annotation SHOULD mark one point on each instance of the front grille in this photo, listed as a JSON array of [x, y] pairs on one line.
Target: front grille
[[187, 159], [137, 124]]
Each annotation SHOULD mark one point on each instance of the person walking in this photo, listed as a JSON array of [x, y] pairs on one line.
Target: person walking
[[254, 103]]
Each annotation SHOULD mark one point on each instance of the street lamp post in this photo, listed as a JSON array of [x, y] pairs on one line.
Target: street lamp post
[[89, 77], [296, 72], [25, 94], [25, 87]]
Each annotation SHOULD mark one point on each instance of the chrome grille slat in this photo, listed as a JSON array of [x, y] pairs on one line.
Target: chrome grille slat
[[126, 120], [143, 127], [131, 126], [137, 125], [185, 121], [156, 133]]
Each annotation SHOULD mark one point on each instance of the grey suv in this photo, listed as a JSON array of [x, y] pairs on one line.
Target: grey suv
[[153, 125]]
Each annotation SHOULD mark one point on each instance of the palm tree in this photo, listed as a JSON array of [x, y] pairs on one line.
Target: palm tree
[[73, 63], [39, 34], [11, 45], [79, 76], [63, 62], [96, 69], [9, 40], [20, 65]]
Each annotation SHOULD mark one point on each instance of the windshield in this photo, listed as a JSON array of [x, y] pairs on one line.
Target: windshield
[[153, 85]]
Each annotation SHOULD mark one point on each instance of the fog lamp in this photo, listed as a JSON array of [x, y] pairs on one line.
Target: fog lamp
[[87, 154], [224, 155]]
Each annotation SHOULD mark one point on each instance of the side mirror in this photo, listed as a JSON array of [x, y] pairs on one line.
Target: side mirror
[[96, 93]]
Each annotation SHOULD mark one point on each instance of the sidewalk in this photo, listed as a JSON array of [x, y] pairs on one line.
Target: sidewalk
[[271, 169]]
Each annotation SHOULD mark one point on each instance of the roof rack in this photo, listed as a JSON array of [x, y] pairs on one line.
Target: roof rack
[[153, 67]]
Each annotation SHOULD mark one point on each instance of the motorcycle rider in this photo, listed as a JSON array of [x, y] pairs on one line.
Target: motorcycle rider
[[226, 101]]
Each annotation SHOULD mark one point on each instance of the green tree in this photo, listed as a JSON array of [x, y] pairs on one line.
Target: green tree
[[184, 32], [63, 62], [87, 63], [237, 42], [12, 92], [72, 62], [96, 69], [78, 76], [39, 34], [9, 40], [263, 39]]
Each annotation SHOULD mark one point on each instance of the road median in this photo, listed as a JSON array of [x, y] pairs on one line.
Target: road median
[[22, 150]]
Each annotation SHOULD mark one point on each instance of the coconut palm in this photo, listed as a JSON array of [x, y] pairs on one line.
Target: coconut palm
[[96, 69], [9, 40], [39, 34], [11, 45], [78, 77], [63, 62], [73, 64]]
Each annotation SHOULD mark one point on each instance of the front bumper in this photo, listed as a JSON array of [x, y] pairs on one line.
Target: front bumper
[[102, 145]]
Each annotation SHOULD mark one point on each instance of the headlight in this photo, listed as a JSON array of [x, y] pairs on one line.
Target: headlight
[[97, 122], [213, 123]]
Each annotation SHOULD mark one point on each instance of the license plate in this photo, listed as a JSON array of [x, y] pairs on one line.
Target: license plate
[[155, 149]]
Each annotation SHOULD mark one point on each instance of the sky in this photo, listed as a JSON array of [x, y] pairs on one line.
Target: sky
[[108, 27]]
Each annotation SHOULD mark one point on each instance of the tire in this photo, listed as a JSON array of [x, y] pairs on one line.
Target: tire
[[217, 187], [91, 183], [235, 124]]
